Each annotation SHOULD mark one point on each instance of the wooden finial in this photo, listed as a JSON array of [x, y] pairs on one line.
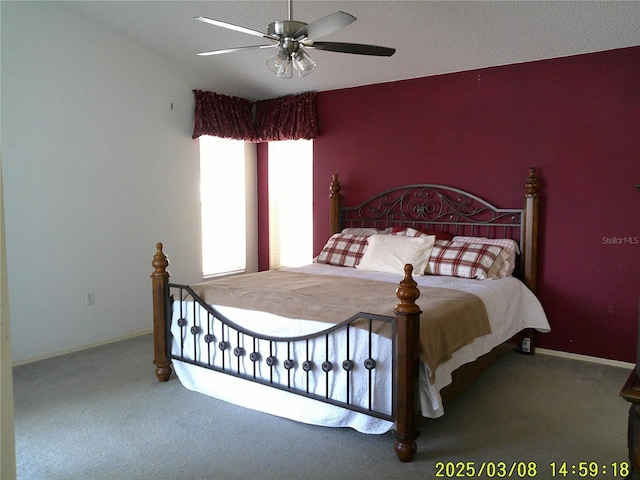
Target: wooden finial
[[334, 202], [532, 184], [407, 292], [335, 186], [159, 262]]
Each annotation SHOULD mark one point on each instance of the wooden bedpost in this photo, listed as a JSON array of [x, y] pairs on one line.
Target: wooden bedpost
[[406, 360], [159, 281], [335, 204], [530, 247], [530, 243]]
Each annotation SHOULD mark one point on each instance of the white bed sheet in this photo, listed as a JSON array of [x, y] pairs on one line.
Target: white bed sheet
[[521, 310]]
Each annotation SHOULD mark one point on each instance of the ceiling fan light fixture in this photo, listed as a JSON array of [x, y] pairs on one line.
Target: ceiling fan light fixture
[[303, 63], [285, 70], [280, 64]]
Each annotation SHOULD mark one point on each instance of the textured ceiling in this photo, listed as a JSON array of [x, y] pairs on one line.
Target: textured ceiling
[[431, 38]]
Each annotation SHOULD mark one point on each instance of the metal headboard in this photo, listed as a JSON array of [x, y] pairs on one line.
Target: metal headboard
[[432, 207]]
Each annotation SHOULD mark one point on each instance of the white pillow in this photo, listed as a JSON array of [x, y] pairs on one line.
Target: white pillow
[[390, 253]]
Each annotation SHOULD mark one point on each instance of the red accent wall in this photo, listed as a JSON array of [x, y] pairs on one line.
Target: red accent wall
[[263, 206], [577, 119]]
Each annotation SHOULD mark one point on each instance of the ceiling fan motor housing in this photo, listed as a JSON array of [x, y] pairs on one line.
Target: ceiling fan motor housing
[[285, 28]]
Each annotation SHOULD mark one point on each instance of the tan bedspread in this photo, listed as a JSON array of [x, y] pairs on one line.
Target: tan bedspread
[[450, 318]]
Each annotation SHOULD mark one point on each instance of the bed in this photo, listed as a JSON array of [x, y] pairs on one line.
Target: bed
[[417, 291]]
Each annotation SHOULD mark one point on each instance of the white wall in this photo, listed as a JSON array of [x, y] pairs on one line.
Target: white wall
[[96, 134]]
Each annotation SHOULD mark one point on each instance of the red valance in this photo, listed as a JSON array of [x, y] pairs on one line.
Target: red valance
[[221, 116], [292, 117]]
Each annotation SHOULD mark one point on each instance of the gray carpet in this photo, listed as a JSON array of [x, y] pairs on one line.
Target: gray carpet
[[101, 414]]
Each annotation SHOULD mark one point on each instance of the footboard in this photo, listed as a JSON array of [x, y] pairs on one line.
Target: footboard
[[377, 353]]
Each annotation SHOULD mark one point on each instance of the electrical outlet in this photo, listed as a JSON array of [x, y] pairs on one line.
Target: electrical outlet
[[90, 299], [525, 346]]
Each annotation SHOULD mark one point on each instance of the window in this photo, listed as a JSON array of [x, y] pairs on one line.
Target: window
[[228, 200], [290, 203]]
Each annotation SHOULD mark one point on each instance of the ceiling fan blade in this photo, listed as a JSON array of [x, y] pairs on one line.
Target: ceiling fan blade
[[237, 28], [355, 48], [325, 25], [237, 49]]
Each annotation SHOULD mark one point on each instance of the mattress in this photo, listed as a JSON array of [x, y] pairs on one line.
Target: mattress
[[510, 305]]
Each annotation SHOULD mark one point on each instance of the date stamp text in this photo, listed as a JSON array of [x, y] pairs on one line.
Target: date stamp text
[[531, 470]]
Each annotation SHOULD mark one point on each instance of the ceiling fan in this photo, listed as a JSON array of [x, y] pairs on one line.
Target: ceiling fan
[[292, 38]]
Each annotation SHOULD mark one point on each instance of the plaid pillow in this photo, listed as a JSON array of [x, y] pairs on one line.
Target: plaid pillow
[[458, 259], [343, 250], [509, 252]]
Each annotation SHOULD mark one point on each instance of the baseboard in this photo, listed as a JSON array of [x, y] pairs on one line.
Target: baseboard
[[541, 351], [84, 347], [586, 358]]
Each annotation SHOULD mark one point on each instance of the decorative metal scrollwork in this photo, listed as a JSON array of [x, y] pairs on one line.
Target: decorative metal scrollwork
[[369, 364], [327, 366], [307, 366], [182, 322], [238, 351], [271, 360], [348, 365], [289, 364], [429, 204]]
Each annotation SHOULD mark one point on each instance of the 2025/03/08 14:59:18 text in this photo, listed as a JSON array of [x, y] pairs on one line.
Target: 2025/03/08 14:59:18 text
[[531, 470]]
